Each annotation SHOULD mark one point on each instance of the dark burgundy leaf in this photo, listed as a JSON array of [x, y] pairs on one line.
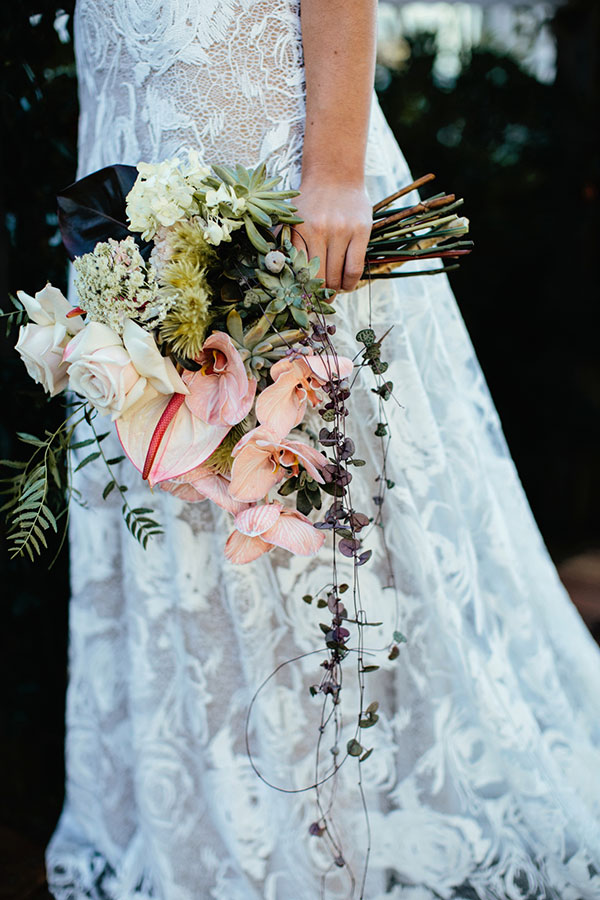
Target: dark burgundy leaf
[[93, 210]]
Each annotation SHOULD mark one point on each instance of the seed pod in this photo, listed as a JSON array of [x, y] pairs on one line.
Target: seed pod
[[275, 261]]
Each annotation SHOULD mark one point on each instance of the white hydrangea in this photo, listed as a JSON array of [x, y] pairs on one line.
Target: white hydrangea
[[113, 283], [225, 194], [163, 193]]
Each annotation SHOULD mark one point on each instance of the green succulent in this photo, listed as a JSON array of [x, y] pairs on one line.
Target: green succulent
[[263, 205], [296, 289], [259, 347]]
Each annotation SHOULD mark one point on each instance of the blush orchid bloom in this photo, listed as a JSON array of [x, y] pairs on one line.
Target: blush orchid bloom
[[261, 459], [204, 484], [296, 382], [260, 528], [220, 393]]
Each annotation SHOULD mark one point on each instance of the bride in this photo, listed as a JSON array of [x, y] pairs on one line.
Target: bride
[[483, 783]]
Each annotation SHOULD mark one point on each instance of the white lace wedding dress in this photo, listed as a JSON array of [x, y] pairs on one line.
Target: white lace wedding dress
[[484, 781]]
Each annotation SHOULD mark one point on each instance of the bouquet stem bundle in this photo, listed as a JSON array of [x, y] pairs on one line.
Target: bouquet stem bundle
[[426, 230]]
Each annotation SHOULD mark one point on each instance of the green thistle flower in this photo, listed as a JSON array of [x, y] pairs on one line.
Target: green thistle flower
[[185, 277], [221, 460]]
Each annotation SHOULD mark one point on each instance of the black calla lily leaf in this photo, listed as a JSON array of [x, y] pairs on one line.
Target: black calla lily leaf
[[93, 209]]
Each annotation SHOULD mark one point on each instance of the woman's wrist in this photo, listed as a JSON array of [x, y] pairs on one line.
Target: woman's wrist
[[330, 172]]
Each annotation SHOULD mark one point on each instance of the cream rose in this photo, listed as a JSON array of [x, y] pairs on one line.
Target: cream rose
[[41, 342], [100, 369], [112, 373], [41, 349], [50, 307]]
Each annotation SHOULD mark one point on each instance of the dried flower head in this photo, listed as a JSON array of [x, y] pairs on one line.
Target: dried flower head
[[113, 283]]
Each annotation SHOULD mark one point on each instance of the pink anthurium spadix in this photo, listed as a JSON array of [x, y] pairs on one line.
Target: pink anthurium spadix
[[296, 382], [202, 483], [220, 393], [163, 438], [261, 460], [260, 528]]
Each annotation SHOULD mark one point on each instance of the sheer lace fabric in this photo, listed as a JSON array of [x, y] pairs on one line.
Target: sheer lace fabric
[[483, 781]]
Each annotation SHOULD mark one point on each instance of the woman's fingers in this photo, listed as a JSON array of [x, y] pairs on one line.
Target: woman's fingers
[[336, 254], [354, 262]]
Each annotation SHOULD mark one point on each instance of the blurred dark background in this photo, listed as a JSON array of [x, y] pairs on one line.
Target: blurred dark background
[[522, 152]]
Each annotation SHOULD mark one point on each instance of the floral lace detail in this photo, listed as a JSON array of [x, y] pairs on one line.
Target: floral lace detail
[[483, 782]]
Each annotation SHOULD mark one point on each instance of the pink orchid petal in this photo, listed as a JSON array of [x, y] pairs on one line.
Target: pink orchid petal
[[202, 484], [279, 406], [261, 433], [296, 533], [241, 549], [254, 473], [326, 366], [218, 340], [225, 395], [257, 519], [187, 442], [311, 459], [282, 367]]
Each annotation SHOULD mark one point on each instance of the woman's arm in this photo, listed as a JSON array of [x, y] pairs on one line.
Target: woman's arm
[[339, 39]]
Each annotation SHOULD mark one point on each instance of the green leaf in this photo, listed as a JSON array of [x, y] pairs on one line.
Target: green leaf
[[88, 459], [303, 503], [109, 487], [366, 754], [353, 747], [368, 722], [300, 317], [13, 463], [30, 439], [254, 236], [79, 444], [399, 637], [307, 598], [369, 668]]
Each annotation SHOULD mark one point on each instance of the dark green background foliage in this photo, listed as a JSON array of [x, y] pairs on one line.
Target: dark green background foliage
[[523, 156]]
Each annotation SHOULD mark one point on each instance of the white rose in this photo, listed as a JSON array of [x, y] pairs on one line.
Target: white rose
[[41, 349], [50, 307], [101, 370]]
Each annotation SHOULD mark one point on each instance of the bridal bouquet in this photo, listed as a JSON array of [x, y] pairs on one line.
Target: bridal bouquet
[[205, 337]]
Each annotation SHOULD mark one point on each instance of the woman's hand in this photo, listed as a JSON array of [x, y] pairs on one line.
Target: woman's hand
[[336, 228]]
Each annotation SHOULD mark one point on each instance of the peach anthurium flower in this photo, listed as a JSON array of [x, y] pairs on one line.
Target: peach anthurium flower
[[296, 381], [163, 438], [260, 528], [220, 393], [261, 460], [202, 483]]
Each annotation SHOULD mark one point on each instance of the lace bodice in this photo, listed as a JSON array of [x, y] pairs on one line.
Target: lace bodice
[[483, 781]]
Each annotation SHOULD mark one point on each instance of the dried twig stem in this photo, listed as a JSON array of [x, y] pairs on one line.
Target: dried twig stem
[[405, 190]]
